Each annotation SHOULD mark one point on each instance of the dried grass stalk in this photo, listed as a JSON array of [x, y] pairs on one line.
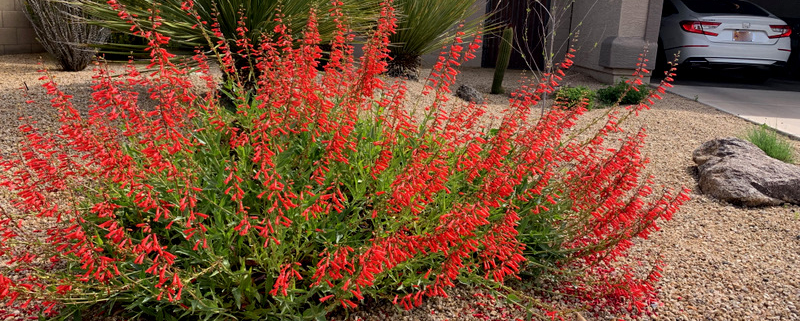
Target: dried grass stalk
[[62, 29]]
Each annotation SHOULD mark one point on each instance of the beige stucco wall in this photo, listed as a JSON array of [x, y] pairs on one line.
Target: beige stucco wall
[[593, 21], [16, 34], [611, 34]]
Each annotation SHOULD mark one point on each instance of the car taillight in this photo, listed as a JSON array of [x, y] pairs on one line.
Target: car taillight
[[784, 31], [700, 27]]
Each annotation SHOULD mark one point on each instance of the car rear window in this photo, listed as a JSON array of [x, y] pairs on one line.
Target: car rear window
[[725, 7]]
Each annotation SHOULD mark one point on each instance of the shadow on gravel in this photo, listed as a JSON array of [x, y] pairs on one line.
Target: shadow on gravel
[[733, 79], [694, 172]]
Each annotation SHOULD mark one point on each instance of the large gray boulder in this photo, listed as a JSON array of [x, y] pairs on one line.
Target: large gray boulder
[[736, 171]]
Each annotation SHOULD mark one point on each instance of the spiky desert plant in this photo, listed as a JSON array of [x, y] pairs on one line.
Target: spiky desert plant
[[234, 18], [231, 19], [62, 32], [424, 27], [502, 60]]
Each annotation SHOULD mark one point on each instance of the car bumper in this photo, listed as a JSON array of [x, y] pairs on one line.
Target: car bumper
[[722, 54], [724, 63]]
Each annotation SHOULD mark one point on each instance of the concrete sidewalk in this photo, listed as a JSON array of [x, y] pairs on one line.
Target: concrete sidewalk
[[775, 102]]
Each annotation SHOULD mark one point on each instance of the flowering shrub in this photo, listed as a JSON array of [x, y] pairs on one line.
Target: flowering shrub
[[317, 191]]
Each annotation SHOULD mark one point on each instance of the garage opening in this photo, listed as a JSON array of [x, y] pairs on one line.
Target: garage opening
[[529, 19]]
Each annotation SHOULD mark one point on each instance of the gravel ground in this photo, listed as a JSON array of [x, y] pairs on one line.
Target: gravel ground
[[722, 262]]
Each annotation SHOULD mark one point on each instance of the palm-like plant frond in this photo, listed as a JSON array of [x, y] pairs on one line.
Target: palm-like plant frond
[[424, 27], [259, 17]]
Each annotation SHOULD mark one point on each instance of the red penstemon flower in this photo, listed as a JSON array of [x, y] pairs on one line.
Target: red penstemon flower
[[318, 185]]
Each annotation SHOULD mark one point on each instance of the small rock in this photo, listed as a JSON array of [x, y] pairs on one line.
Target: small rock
[[468, 93], [411, 74]]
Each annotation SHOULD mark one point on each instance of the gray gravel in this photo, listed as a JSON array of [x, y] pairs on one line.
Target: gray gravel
[[722, 262]]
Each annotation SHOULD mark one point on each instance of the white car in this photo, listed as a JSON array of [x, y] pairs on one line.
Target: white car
[[723, 34]]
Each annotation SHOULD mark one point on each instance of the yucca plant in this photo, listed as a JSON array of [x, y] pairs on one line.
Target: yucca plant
[[258, 16], [424, 27]]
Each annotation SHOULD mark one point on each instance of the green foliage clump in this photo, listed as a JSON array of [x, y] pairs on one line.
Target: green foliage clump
[[771, 143], [623, 93], [571, 97]]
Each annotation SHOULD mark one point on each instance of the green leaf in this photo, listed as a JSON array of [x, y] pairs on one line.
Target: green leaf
[[237, 297], [513, 298]]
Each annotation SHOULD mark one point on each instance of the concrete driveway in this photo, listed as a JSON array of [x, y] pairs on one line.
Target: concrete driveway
[[776, 102]]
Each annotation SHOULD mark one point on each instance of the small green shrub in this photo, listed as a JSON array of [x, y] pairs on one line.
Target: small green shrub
[[624, 93], [571, 97], [771, 143]]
